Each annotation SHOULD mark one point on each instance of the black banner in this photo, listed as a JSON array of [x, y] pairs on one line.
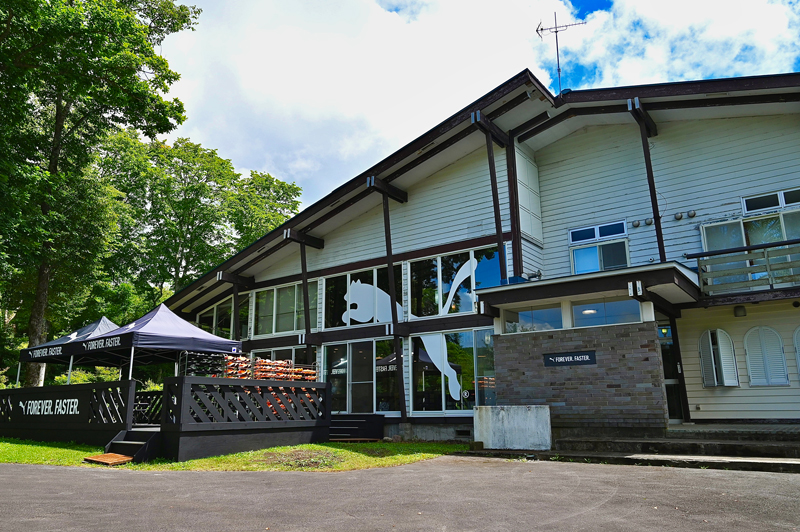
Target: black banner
[[578, 358]]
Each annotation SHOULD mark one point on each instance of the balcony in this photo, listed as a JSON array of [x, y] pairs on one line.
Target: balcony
[[749, 268]]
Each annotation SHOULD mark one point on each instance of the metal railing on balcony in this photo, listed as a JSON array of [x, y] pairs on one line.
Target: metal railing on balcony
[[748, 268]]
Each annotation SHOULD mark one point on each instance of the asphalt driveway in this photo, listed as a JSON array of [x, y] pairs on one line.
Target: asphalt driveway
[[446, 494]]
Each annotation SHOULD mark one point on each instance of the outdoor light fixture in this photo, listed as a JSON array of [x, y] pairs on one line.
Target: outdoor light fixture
[[648, 221], [636, 223], [589, 311], [664, 331], [739, 311], [678, 215]]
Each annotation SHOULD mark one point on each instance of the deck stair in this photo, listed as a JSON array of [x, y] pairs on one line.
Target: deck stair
[[109, 459], [142, 443], [356, 427]]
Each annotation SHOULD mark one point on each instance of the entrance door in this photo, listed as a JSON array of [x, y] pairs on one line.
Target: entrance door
[[362, 364], [672, 371]]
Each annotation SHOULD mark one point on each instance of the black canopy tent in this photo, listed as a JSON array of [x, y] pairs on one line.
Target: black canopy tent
[[52, 350], [158, 336]]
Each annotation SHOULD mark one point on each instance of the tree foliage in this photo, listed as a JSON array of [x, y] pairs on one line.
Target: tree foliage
[[72, 71]]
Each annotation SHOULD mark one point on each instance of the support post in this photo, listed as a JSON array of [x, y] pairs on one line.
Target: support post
[[237, 330], [176, 369], [130, 368], [513, 206], [645, 131], [398, 349], [69, 371], [306, 297], [19, 369], [498, 221]]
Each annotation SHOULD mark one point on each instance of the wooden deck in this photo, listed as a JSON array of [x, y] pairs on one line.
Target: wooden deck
[[109, 459]]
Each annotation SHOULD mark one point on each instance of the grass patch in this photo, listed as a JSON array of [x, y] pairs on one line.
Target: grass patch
[[309, 457], [47, 453]]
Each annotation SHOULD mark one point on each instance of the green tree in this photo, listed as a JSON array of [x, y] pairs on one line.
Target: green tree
[[186, 209], [74, 70]]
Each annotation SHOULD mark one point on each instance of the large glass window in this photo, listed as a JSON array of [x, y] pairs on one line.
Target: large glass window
[[362, 363], [533, 319], [219, 319], [362, 297], [454, 371], [461, 360], [457, 283], [487, 270], [484, 365], [605, 312], [425, 288], [281, 309], [222, 325], [205, 320]]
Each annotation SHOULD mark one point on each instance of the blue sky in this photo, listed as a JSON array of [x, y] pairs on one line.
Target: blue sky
[[317, 92]]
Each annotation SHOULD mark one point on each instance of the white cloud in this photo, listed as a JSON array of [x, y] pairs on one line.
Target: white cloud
[[317, 92]]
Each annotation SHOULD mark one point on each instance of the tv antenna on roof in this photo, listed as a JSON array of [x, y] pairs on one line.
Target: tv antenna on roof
[[540, 31]]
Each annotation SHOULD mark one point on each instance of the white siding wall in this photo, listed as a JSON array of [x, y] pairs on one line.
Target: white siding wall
[[532, 256], [742, 402], [452, 205], [597, 175], [707, 165], [594, 176]]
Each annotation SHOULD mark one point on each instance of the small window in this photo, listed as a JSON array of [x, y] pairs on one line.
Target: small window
[[791, 197], [766, 362], [775, 200], [759, 203], [597, 232], [600, 258], [717, 359]]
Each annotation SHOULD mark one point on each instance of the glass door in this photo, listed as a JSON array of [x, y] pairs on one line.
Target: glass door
[[336, 374], [362, 365], [672, 371]]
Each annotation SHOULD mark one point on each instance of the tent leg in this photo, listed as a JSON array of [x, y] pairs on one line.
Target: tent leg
[[69, 371], [176, 369], [120, 373], [19, 368], [130, 368]]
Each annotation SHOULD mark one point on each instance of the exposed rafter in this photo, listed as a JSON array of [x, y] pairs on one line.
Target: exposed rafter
[[379, 185], [639, 114], [292, 235], [487, 126], [239, 280]]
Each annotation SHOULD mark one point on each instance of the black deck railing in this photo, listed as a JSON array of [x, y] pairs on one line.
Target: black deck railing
[[201, 403], [747, 268]]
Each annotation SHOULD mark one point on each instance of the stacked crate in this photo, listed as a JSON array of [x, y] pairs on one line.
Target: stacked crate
[[283, 370], [238, 367]]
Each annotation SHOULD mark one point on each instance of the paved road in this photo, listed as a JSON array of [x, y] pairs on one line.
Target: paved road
[[446, 494]]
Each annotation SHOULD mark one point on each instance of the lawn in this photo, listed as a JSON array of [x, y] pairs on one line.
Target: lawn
[[310, 457]]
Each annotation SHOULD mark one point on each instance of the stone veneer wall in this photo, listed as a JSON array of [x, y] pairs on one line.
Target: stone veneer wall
[[623, 390]]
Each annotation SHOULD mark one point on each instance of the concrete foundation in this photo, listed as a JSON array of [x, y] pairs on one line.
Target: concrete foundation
[[430, 432], [524, 427]]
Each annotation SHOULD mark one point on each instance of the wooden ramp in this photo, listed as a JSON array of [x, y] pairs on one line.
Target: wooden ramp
[[109, 459]]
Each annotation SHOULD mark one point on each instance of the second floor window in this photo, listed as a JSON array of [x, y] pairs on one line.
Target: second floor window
[[281, 309], [599, 248]]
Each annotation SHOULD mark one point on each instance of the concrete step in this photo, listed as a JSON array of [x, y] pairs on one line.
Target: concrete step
[[737, 432], [738, 463], [703, 447]]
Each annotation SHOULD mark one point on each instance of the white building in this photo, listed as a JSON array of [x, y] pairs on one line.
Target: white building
[[562, 271]]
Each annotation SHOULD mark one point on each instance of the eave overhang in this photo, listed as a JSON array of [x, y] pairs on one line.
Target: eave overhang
[[670, 281]]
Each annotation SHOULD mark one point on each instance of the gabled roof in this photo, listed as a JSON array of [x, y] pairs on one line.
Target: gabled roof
[[524, 107]]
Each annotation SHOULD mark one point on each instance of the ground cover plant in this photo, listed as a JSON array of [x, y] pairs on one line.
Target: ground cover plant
[[309, 457]]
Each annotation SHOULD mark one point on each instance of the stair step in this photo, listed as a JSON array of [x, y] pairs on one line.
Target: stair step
[[740, 463], [109, 459], [353, 440], [129, 442], [682, 447]]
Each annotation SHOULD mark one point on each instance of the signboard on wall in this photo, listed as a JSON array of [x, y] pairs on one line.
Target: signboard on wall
[[578, 358]]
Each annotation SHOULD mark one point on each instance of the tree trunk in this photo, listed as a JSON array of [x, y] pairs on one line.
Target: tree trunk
[[37, 326]]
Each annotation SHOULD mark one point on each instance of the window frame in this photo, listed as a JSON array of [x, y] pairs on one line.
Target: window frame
[[439, 288], [409, 368], [374, 270], [768, 376], [781, 202], [248, 295], [597, 237], [717, 364], [597, 244], [254, 295]]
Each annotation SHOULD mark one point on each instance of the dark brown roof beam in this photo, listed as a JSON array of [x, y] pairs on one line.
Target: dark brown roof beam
[[292, 235], [376, 184], [240, 281], [252, 262], [640, 115], [529, 124], [487, 126], [201, 293], [571, 113], [336, 211]]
